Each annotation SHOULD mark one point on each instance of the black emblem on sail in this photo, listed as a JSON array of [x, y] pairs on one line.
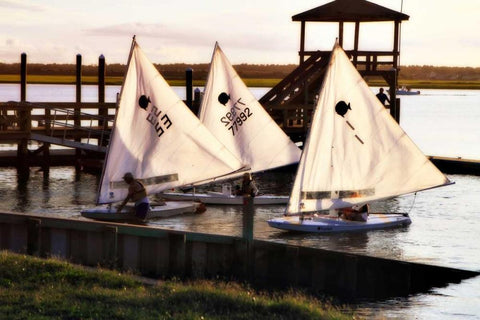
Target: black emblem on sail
[[223, 98], [342, 108], [143, 102]]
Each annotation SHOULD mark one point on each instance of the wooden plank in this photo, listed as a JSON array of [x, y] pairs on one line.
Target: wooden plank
[[68, 143]]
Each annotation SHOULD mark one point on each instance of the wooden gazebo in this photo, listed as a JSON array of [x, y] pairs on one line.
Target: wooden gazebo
[[298, 89]]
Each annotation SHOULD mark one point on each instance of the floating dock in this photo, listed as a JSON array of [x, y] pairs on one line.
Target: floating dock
[[456, 165]]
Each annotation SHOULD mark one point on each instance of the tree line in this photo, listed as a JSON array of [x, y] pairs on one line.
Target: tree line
[[253, 71]]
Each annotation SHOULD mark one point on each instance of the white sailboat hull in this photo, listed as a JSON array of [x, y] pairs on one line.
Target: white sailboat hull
[[170, 208], [327, 224], [225, 199]]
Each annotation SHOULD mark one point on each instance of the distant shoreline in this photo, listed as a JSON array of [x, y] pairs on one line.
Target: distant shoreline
[[250, 82]]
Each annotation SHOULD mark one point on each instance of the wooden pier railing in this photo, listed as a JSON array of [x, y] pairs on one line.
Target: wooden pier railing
[[85, 127], [59, 123]]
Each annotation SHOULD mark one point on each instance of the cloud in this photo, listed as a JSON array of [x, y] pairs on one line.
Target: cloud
[[186, 39], [127, 29], [20, 5], [10, 49], [252, 32]]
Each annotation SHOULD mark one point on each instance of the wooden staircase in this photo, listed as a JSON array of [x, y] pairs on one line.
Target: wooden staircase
[[301, 85]]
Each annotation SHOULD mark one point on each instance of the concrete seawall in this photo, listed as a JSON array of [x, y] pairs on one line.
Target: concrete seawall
[[159, 253]]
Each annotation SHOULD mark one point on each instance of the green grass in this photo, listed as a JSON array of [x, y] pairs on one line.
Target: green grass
[[33, 288], [54, 79]]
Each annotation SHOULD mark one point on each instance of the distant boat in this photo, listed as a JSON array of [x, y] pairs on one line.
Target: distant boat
[[404, 91], [355, 154]]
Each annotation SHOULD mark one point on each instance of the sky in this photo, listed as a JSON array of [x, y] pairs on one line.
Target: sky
[[439, 32]]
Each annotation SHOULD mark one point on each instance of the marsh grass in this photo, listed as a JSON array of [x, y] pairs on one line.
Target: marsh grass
[[58, 79], [250, 82], [34, 288]]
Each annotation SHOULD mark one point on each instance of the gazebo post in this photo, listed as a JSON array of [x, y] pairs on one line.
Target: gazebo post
[[302, 42]]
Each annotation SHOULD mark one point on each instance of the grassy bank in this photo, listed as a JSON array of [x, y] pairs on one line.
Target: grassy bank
[[42, 79], [33, 288], [251, 82]]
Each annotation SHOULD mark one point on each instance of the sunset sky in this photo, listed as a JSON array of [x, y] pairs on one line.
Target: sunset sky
[[439, 32]]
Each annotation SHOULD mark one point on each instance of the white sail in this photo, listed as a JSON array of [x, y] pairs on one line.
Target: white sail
[[236, 118], [355, 151], [157, 138]]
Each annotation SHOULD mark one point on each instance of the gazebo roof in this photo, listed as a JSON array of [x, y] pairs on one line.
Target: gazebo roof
[[350, 11]]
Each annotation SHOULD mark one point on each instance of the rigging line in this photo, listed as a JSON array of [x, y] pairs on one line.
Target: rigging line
[[413, 203]]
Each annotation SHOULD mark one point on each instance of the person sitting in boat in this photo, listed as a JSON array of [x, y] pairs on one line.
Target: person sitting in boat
[[382, 97], [249, 187], [355, 213], [136, 193]]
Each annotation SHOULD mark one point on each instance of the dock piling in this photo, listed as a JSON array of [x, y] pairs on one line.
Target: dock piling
[[78, 100], [189, 87], [101, 96], [247, 232], [23, 77], [23, 170]]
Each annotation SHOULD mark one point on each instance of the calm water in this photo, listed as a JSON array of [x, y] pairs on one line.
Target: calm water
[[446, 221]]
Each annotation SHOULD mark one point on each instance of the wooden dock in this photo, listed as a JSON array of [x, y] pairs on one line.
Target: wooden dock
[[86, 134], [456, 165]]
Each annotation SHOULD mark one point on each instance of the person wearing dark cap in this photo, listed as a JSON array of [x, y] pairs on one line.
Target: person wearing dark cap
[[136, 193]]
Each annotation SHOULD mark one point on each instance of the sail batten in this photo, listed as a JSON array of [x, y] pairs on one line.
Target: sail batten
[[157, 138], [355, 151]]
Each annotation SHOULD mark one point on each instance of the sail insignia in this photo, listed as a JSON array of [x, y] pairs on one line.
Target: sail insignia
[[341, 108]]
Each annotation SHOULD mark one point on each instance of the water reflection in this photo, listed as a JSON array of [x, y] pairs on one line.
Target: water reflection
[[22, 197], [337, 242], [456, 301], [445, 230]]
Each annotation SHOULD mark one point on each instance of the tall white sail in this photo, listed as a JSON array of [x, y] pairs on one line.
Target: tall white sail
[[236, 118], [157, 138], [355, 151]]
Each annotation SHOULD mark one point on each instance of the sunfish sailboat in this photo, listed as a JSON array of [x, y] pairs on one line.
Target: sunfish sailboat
[[355, 153], [236, 118], [159, 140]]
